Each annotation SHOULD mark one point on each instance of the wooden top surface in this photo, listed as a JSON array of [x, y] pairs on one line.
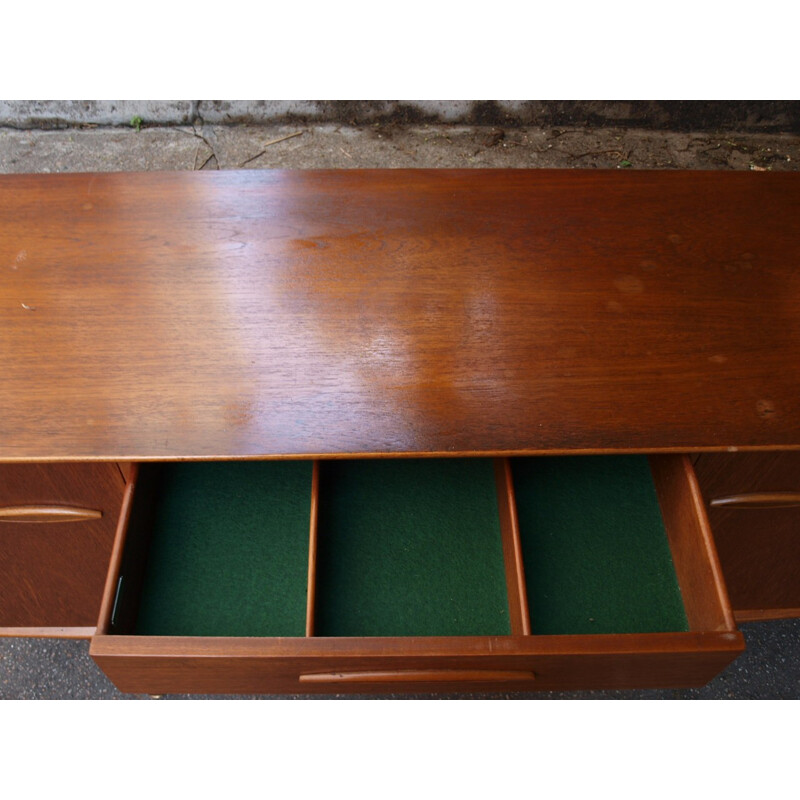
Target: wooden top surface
[[236, 314]]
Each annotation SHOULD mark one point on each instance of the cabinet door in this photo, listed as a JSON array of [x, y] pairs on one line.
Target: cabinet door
[[753, 504], [57, 524]]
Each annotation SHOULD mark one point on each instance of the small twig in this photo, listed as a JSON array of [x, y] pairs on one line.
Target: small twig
[[27, 307], [345, 152], [598, 153], [274, 141], [284, 138]]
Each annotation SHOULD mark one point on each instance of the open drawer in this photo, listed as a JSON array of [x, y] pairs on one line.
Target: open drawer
[[414, 575]]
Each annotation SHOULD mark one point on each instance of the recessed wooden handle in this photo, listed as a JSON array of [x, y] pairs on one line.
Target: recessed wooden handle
[[759, 500], [47, 514], [418, 676]]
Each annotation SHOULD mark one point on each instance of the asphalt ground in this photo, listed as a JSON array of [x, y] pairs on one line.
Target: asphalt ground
[[62, 669]]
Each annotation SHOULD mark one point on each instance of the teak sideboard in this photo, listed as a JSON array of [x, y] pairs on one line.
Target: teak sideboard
[[400, 430]]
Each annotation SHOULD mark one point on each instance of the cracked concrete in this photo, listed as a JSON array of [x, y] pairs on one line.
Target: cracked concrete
[[330, 146]]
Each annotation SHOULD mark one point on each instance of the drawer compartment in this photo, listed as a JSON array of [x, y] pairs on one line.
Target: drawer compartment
[[228, 550], [416, 575], [596, 554], [409, 547]]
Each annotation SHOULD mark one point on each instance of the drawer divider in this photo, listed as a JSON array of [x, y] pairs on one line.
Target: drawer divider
[[518, 610], [312, 549]]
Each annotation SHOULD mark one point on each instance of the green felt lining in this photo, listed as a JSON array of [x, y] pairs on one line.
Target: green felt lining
[[596, 554], [229, 551], [409, 547]]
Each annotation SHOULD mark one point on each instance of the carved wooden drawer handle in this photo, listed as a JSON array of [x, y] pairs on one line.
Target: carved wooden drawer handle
[[759, 500], [418, 676], [47, 514]]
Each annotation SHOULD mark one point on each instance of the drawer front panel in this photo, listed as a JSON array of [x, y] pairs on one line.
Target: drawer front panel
[[53, 575], [57, 525], [753, 502], [723, 474], [474, 664], [760, 555], [84, 485]]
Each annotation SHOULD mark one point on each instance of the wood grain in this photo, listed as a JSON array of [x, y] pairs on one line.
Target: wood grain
[[697, 567], [758, 500], [418, 676], [160, 665], [52, 575], [47, 514], [763, 614], [125, 468], [313, 527], [247, 314], [759, 548], [518, 609], [118, 551], [49, 633]]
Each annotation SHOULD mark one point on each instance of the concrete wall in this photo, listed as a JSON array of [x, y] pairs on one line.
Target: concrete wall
[[754, 116]]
